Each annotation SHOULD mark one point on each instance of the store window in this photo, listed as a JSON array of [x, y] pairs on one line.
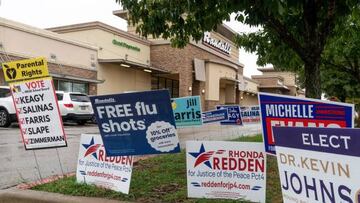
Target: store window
[[158, 83], [70, 86]]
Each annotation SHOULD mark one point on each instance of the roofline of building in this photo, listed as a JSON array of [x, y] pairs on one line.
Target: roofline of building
[[98, 25], [274, 87], [42, 32], [266, 76], [223, 29], [251, 80], [22, 56]]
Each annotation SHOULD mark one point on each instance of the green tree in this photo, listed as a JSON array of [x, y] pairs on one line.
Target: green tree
[[294, 32], [340, 64]]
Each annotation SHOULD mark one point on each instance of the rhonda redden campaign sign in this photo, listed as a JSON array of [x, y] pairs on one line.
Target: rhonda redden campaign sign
[[226, 170], [136, 123], [279, 110], [94, 167], [318, 164]]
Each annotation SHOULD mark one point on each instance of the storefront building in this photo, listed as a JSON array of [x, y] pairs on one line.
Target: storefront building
[[72, 65], [209, 68], [123, 58]]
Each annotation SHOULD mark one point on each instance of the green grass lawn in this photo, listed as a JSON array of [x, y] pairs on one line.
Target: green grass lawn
[[160, 179]]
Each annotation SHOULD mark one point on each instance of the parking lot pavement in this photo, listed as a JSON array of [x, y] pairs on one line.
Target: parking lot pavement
[[18, 165]]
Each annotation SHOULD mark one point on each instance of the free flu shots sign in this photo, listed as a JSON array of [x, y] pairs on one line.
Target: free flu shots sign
[[136, 123]]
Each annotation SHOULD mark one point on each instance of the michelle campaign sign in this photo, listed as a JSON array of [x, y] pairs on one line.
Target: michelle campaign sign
[[278, 110], [226, 170], [187, 111], [94, 167], [136, 123], [318, 164]]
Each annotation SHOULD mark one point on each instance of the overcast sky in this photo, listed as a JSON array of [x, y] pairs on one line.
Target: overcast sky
[[52, 13]]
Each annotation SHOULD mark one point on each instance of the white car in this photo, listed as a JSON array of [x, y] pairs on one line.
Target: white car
[[75, 106], [7, 109]]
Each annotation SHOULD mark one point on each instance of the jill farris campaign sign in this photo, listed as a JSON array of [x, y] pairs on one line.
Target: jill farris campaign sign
[[136, 123], [318, 164], [279, 110], [226, 170]]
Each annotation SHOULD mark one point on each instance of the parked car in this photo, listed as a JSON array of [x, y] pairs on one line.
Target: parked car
[[7, 109], [75, 106]]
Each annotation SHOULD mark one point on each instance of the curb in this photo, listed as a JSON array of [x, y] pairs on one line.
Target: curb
[[14, 195]]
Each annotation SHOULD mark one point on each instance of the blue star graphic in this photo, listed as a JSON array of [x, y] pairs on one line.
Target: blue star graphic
[[89, 145], [197, 154]]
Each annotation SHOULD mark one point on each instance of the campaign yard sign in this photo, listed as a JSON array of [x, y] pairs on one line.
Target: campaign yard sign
[[94, 167], [215, 116], [234, 117], [136, 123], [250, 114], [226, 170], [38, 113], [25, 69], [318, 164], [187, 111], [279, 110]]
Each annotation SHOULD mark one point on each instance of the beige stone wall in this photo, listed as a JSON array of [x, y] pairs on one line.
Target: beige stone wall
[[108, 50], [249, 100], [289, 77], [27, 41], [119, 79], [181, 61], [215, 72], [250, 86]]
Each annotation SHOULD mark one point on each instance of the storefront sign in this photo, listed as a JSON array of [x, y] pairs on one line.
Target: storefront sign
[[187, 111], [94, 167], [25, 69], [38, 113], [278, 110], [124, 44], [250, 114], [218, 44], [318, 164], [136, 123], [215, 116], [234, 116], [226, 170]]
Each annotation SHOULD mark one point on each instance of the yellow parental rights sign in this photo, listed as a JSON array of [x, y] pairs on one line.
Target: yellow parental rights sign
[[25, 69]]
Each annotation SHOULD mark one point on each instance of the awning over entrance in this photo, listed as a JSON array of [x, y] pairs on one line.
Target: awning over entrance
[[69, 77], [130, 64]]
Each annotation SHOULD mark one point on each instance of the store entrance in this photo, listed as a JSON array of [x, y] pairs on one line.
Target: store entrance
[[227, 91]]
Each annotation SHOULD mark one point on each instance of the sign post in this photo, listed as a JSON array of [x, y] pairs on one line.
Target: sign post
[[36, 104]]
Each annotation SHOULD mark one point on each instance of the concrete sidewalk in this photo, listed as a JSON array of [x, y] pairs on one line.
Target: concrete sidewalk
[[14, 195]]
